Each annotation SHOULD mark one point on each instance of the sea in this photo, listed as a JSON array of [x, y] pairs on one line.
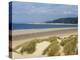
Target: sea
[[39, 26]]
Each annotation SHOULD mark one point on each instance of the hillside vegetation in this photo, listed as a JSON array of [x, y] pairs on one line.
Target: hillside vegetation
[[71, 20]]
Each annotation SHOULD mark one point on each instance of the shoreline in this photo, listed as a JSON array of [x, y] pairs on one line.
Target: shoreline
[[19, 39], [16, 40], [41, 33], [28, 31]]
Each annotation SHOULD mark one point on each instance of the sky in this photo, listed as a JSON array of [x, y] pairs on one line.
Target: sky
[[30, 12]]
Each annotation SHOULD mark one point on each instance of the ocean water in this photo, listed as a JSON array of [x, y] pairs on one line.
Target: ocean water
[[39, 26]]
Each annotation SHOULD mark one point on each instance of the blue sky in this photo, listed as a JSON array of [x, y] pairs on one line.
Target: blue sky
[[26, 12]]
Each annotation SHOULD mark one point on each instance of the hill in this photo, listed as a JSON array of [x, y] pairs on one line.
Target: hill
[[71, 20]]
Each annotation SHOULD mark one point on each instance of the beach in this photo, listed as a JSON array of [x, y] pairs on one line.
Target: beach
[[22, 36], [33, 33], [42, 30]]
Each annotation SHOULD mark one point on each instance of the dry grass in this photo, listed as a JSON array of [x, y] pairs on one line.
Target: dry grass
[[69, 44], [70, 47], [52, 49]]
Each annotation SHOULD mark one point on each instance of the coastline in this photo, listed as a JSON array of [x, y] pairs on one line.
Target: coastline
[[40, 34], [18, 39], [34, 33], [28, 31]]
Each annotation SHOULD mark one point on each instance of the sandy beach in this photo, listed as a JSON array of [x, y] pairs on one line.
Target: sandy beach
[[19, 37], [34, 33], [42, 30]]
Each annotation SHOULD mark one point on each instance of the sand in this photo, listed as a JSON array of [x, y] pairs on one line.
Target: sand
[[28, 35], [38, 53], [29, 31], [19, 35]]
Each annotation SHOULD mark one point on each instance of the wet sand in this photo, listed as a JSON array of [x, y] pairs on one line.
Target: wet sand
[[18, 39], [40, 33]]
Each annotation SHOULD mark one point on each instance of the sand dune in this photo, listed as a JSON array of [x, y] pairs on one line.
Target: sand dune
[[19, 39]]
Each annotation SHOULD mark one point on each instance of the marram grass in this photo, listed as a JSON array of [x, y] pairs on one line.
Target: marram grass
[[68, 43], [70, 47], [52, 49]]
